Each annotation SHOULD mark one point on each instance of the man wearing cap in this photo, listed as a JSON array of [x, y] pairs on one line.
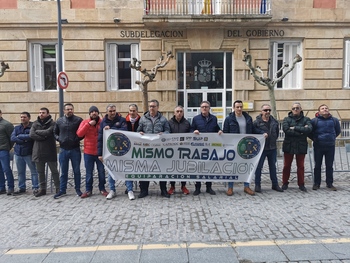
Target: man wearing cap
[[89, 130]]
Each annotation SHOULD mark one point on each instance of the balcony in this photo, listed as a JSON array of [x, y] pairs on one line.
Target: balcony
[[196, 12]]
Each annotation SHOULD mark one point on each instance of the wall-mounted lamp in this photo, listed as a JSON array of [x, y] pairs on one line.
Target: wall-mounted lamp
[[64, 21], [285, 19], [116, 20]]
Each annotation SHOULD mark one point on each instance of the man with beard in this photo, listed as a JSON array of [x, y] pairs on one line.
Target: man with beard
[[112, 120], [89, 129], [44, 149], [65, 132]]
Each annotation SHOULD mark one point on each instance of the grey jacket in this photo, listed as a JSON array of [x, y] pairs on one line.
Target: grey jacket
[[160, 124]]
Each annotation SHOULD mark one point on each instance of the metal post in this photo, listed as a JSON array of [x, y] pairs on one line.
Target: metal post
[[59, 57]]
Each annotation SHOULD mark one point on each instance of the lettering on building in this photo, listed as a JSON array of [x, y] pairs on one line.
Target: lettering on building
[[235, 33], [152, 34]]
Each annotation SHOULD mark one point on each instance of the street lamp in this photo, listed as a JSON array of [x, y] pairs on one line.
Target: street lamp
[[60, 60]]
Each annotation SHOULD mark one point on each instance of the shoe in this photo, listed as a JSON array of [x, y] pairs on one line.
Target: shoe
[[197, 191], [302, 188], [131, 195], [59, 195], [285, 186], [185, 191], [257, 189], [111, 195], [79, 193], [276, 188], [86, 194], [40, 193], [35, 191], [10, 192], [210, 191], [104, 193], [229, 191], [126, 191], [331, 187], [57, 190], [315, 187], [2, 191], [164, 193], [143, 194], [19, 192], [248, 191], [171, 190]]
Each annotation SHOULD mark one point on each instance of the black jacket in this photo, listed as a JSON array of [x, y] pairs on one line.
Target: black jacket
[[65, 132], [271, 128], [179, 127]]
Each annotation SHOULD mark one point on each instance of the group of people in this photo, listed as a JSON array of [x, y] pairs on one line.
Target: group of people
[[35, 146]]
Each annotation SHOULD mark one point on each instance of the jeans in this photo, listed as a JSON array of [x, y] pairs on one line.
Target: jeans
[[230, 184], [288, 159], [21, 162], [129, 185], [74, 156], [5, 169], [89, 161], [271, 159], [40, 167], [111, 183], [328, 153]]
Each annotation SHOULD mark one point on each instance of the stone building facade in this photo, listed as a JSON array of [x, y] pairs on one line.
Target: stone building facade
[[206, 37]]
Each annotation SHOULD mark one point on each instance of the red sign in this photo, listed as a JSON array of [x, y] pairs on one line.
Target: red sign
[[62, 80]]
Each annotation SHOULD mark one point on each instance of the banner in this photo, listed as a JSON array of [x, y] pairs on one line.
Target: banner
[[181, 156]]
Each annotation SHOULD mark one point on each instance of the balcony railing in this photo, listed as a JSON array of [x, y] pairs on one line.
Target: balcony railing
[[207, 7]]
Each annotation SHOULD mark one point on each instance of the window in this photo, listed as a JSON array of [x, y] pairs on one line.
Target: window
[[43, 66], [119, 74], [284, 52], [347, 65]]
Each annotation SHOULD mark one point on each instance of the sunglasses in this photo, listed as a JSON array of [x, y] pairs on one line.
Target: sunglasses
[[296, 108], [267, 110]]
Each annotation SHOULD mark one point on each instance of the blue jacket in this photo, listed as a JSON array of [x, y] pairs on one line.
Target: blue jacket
[[324, 130], [203, 124], [231, 124], [118, 123], [23, 143]]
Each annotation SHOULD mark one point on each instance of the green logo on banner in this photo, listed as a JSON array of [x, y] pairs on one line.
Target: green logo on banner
[[118, 144]]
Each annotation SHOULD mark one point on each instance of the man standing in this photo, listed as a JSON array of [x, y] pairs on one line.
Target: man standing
[[153, 122], [66, 134], [89, 129], [325, 130], [296, 128], [178, 124], [44, 149], [239, 121], [132, 122], [23, 153], [6, 129], [269, 125], [205, 123], [114, 121]]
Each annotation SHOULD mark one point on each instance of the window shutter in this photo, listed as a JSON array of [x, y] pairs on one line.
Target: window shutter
[[38, 71], [347, 65], [135, 75], [113, 67]]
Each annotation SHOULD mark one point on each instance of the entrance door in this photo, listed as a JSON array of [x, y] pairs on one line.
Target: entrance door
[[205, 77]]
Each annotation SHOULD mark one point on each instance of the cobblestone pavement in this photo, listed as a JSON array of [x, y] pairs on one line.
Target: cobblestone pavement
[[28, 221]]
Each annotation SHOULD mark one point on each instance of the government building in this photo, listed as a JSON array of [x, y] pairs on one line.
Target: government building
[[100, 38]]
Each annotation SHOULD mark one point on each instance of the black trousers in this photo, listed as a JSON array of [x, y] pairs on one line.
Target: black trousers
[[144, 185]]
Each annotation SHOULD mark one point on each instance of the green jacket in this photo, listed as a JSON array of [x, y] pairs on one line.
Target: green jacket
[[295, 140], [6, 129]]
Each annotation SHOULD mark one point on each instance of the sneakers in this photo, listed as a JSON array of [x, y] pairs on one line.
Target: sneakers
[[143, 194], [171, 190], [184, 190], [285, 186], [331, 187], [104, 193], [59, 195], [20, 191], [131, 195], [86, 194], [79, 193], [10, 192], [315, 187], [35, 191], [257, 188], [210, 191], [40, 193], [248, 191], [229, 192], [276, 188], [111, 195], [2, 191], [302, 188]]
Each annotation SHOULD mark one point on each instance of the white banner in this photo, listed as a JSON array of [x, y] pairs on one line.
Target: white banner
[[181, 156]]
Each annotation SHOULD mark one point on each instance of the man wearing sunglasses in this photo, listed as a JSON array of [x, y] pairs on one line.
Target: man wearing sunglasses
[[269, 125], [296, 127]]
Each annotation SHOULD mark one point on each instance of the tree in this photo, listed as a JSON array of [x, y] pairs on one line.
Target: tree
[[266, 81], [3, 68], [149, 76]]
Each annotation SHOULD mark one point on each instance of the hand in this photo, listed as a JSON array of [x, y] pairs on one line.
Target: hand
[[160, 133], [142, 133], [292, 128], [107, 128], [100, 158], [265, 135], [220, 132], [92, 122], [196, 132]]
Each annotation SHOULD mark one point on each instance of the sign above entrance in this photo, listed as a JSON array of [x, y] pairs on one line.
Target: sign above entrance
[[235, 33], [152, 34]]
